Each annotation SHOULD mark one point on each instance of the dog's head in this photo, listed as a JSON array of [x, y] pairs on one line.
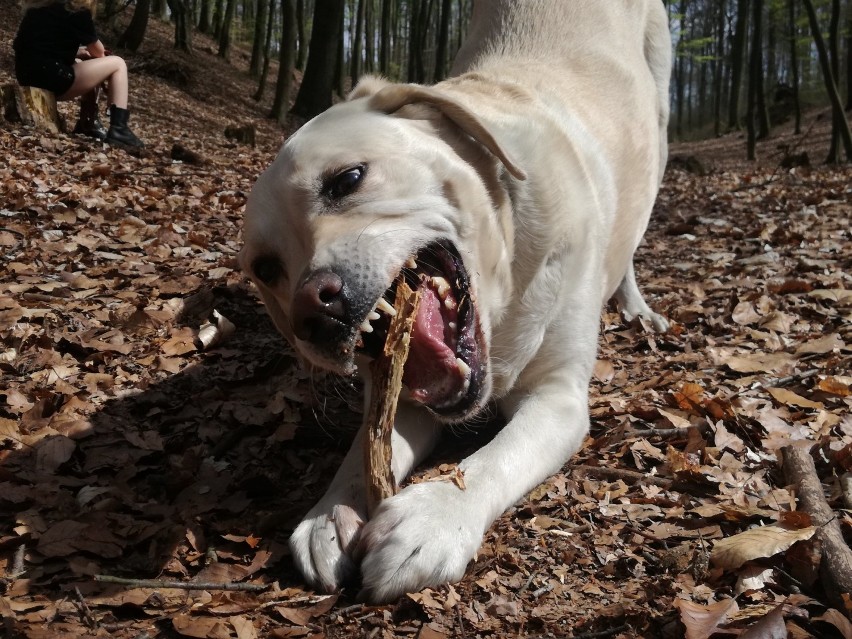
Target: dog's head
[[398, 179]]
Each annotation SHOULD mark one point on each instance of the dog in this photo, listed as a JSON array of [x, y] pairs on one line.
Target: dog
[[513, 195]]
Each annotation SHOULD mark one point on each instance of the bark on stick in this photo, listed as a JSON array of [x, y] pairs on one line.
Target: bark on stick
[[386, 385], [836, 563]]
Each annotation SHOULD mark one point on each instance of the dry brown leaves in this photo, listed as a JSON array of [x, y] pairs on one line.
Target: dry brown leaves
[[128, 450]]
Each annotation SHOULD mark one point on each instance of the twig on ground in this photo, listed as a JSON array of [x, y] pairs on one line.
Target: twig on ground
[[182, 585], [602, 633], [85, 611], [526, 586], [630, 476], [836, 564], [777, 381], [546, 588]]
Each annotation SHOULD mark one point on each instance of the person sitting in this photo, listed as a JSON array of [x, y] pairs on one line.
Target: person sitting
[[46, 47]]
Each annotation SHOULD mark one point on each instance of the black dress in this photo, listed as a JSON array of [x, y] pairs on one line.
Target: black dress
[[47, 43]]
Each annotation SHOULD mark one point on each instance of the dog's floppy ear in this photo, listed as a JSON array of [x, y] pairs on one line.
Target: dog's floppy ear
[[392, 97], [368, 85]]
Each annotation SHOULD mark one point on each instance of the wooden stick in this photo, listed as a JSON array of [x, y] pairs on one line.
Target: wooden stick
[[386, 384], [182, 585], [836, 564]]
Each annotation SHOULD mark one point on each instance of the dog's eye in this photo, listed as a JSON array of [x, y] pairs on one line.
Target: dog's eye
[[267, 270], [344, 182]]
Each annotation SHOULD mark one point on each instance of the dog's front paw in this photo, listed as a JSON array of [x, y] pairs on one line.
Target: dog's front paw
[[322, 545], [659, 323], [424, 536]]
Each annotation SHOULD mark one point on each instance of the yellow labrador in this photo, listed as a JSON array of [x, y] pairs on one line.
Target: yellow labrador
[[513, 195]]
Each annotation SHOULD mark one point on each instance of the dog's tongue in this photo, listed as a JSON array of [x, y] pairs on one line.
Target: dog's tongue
[[430, 372]]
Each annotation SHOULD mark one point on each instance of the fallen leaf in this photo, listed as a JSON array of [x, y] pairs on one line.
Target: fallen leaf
[[702, 621], [765, 541]]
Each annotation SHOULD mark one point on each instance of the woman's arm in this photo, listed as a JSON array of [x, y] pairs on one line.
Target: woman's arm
[[96, 49]]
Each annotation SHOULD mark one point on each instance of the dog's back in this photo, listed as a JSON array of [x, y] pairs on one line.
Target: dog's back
[[508, 36]]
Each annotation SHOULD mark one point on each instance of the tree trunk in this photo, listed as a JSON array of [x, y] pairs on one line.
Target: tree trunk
[[218, 10], [181, 14], [318, 82], [830, 83], [358, 43], [225, 31], [834, 156], [413, 38], [267, 48], [717, 70], [680, 72], [849, 58], [133, 36], [369, 33], [258, 41], [384, 38], [761, 112], [286, 60], [204, 23], [443, 41], [738, 49], [302, 53], [794, 68], [754, 78]]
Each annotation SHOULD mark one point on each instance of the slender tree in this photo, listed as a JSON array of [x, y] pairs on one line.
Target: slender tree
[[258, 40], [182, 16], [828, 77], [205, 24], [443, 41], [133, 36], [794, 67], [718, 64], [738, 50], [302, 53], [267, 49], [754, 78], [385, 38], [358, 42], [830, 82], [225, 31], [315, 93], [286, 60]]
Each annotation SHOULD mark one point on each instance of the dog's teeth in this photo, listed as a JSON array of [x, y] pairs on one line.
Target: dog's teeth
[[372, 316], [452, 325], [366, 327], [450, 303], [441, 285], [410, 263], [385, 307], [464, 369]]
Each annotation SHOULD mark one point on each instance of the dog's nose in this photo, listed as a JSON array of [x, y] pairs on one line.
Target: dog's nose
[[320, 307]]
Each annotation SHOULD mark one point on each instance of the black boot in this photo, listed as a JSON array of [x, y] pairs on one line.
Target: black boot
[[119, 133], [92, 128], [89, 123]]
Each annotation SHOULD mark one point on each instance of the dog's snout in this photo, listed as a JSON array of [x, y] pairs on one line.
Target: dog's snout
[[320, 307]]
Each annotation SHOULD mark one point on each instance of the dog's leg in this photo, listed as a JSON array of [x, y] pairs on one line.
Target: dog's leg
[[631, 303], [426, 534], [322, 544]]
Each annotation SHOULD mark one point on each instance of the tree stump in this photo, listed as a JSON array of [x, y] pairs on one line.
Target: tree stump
[[31, 106]]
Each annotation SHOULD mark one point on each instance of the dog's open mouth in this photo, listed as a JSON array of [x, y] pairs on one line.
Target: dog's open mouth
[[444, 366]]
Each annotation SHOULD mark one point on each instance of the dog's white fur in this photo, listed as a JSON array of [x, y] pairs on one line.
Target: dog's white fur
[[540, 159]]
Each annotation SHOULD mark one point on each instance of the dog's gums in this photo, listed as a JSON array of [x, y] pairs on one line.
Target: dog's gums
[[443, 370]]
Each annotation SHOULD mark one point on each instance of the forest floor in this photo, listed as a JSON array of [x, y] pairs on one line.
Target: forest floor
[[127, 449]]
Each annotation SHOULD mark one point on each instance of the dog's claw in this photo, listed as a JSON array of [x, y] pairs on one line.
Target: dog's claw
[[322, 545]]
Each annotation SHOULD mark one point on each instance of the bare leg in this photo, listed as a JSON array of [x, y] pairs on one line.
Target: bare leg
[[89, 74]]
